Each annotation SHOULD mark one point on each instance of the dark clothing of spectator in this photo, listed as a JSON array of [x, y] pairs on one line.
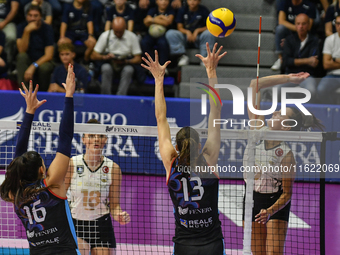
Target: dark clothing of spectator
[[192, 20], [39, 39], [112, 13], [293, 10], [60, 73], [291, 51]]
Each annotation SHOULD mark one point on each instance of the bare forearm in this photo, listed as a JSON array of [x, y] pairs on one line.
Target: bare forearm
[[160, 105], [301, 61], [272, 80], [135, 60], [24, 42], [280, 203], [63, 28]]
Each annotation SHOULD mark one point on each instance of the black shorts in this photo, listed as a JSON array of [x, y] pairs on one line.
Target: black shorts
[[98, 233], [266, 200], [213, 248]]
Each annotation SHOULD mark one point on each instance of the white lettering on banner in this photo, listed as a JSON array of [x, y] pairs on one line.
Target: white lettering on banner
[[103, 117]]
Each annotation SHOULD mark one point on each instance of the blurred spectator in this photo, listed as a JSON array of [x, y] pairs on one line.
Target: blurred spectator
[[142, 8], [331, 62], [77, 25], [332, 12], [8, 11], [162, 15], [67, 55], [3, 57], [119, 9], [46, 10], [176, 4], [120, 49], [191, 31], [55, 5], [35, 45], [300, 54], [288, 10]]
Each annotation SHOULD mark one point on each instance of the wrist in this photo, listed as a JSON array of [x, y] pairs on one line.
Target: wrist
[[35, 64]]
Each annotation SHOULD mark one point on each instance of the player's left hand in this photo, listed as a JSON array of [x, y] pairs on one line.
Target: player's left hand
[[213, 57], [262, 217], [123, 218], [157, 70]]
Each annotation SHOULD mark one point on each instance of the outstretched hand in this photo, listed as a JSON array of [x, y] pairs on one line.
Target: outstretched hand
[[32, 102], [154, 67], [70, 85], [298, 77], [213, 57]]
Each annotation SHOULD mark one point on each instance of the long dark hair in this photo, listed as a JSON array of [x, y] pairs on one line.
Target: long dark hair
[[187, 140], [22, 180], [304, 122]]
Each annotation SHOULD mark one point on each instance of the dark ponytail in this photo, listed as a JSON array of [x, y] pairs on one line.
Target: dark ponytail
[[187, 140], [304, 122], [22, 179]]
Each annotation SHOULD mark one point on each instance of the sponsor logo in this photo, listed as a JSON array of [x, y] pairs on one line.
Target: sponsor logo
[[182, 211], [41, 126], [80, 169], [279, 152], [30, 234], [114, 129], [184, 222], [200, 210], [105, 169], [203, 223], [46, 232]]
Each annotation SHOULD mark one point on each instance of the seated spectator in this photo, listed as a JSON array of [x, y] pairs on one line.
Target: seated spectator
[[67, 55], [162, 15], [77, 25], [287, 12], [332, 11], [35, 45], [120, 49], [119, 9], [300, 54], [142, 8], [46, 10], [331, 62], [191, 31], [8, 11], [3, 57]]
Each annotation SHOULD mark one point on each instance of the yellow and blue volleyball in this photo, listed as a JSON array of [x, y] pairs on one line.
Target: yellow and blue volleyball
[[221, 22]]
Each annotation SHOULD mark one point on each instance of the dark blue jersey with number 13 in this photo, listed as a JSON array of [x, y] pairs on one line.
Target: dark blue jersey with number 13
[[195, 201]]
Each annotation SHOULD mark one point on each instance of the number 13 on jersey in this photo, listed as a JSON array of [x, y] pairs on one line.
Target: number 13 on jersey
[[198, 186]]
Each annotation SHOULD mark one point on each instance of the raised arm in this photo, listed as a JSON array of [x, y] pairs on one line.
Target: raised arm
[[212, 146], [270, 81], [59, 166], [166, 148], [32, 104]]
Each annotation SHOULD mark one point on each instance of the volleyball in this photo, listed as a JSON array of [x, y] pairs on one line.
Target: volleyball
[[156, 30], [221, 22]]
